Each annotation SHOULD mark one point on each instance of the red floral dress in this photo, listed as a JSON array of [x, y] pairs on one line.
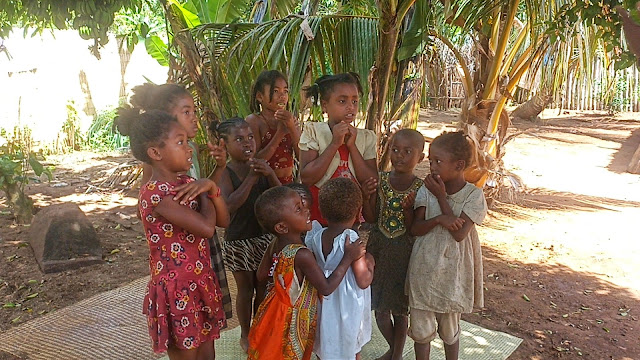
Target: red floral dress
[[183, 302], [283, 157]]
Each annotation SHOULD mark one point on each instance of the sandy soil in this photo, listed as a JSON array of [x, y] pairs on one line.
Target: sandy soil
[[560, 260]]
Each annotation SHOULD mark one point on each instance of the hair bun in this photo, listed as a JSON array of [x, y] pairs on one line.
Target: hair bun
[[123, 122]]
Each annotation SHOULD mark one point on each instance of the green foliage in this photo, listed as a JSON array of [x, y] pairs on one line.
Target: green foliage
[[599, 15], [101, 135], [92, 18], [16, 161], [136, 25], [71, 135]]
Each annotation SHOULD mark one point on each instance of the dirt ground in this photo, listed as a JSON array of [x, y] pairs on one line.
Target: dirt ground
[[560, 259]]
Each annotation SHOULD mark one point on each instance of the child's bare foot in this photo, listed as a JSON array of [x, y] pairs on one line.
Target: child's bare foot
[[386, 356], [244, 344]]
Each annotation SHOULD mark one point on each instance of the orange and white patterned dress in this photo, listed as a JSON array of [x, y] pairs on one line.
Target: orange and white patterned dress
[[285, 325]]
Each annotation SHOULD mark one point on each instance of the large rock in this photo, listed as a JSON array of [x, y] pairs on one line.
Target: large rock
[[63, 238]]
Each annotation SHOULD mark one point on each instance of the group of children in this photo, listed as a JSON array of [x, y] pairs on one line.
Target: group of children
[[307, 282]]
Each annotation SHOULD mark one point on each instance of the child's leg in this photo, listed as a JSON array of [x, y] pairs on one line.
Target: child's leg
[[400, 326], [449, 331], [422, 330], [383, 320], [207, 351], [245, 280], [179, 354], [261, 292]]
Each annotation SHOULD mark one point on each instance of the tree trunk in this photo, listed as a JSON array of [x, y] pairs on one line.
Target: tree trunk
[[21, 205], [533, 107]]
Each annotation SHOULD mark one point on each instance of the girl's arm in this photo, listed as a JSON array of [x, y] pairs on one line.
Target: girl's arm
[[235, 198], [363, 270], [290, 123], [364, 168], [407, 209], [254, 123], [201, 223], [267, 261], [306, 266], [421, 226], [188, 192], [314, 165], [261, 167], [219, 153], [462, 232], [369, 198]]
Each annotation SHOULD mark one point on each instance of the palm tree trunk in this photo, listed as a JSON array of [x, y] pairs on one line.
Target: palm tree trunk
[[21, 205]]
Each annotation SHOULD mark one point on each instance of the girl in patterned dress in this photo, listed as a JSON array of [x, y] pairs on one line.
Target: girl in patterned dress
[[243, 180], [183, 301], [335, 148], [386, 201], [285, 324], [277, 131], [444, 278], [177, 101]]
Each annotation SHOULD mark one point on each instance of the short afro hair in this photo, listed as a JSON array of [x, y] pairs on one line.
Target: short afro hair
[[269, 206], [414, 136], [457, 144], [340, 200]]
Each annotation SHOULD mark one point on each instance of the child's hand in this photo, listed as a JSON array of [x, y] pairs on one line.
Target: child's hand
[[354, 250], [407, 203], [350, 139], [369, 187], [340, 131], [452, 223], [435, 185], [218, 152], [260, 167], [188, 192], [285, 117]]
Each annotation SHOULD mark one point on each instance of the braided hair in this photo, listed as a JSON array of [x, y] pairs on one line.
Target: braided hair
[[223, 129], [324, 85]]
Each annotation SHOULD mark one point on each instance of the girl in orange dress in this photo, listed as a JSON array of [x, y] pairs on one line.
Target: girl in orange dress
[[285, 324]]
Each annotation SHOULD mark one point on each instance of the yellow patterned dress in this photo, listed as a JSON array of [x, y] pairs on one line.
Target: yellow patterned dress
[[285, 324], [390, 245]]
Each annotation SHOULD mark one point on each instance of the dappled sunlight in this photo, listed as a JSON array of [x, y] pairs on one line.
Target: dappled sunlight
[[97, 202], [555, 300]]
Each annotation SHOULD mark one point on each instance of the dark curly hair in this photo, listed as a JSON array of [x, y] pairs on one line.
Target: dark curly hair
[[145, 129], [340, 200], [414, 136], [157, 97], [269, 206], [267, 77], [324, 85], [302, 190], [456, 143]]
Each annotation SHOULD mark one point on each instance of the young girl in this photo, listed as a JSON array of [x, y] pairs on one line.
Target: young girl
[[177, 101], [335, 148], [285, 324], [444, 278], [243, 180], [386, 200], [277, 133], [344, 318], [183, 302]]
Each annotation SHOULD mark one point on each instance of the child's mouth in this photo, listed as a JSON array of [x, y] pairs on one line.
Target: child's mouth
[[282, 105]]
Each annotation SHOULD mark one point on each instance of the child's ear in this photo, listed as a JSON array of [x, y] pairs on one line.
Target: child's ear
[[154, 154], [323, 105], [461, 165], [281, 228], [421, 157]]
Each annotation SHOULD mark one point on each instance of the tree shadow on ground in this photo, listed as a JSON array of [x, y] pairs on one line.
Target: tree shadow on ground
[[559, 312]]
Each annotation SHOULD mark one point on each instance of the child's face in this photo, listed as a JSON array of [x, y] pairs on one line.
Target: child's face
[[442, 163], [240, 144], [176, 153], [342, 104], [280, 96], [295, 215], [405, 155], [185, 112]]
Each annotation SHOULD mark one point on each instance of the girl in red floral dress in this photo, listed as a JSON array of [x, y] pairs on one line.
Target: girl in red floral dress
[[183, 302]]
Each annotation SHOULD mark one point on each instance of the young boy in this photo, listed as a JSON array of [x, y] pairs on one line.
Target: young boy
[[285, 324], [345, 315]]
